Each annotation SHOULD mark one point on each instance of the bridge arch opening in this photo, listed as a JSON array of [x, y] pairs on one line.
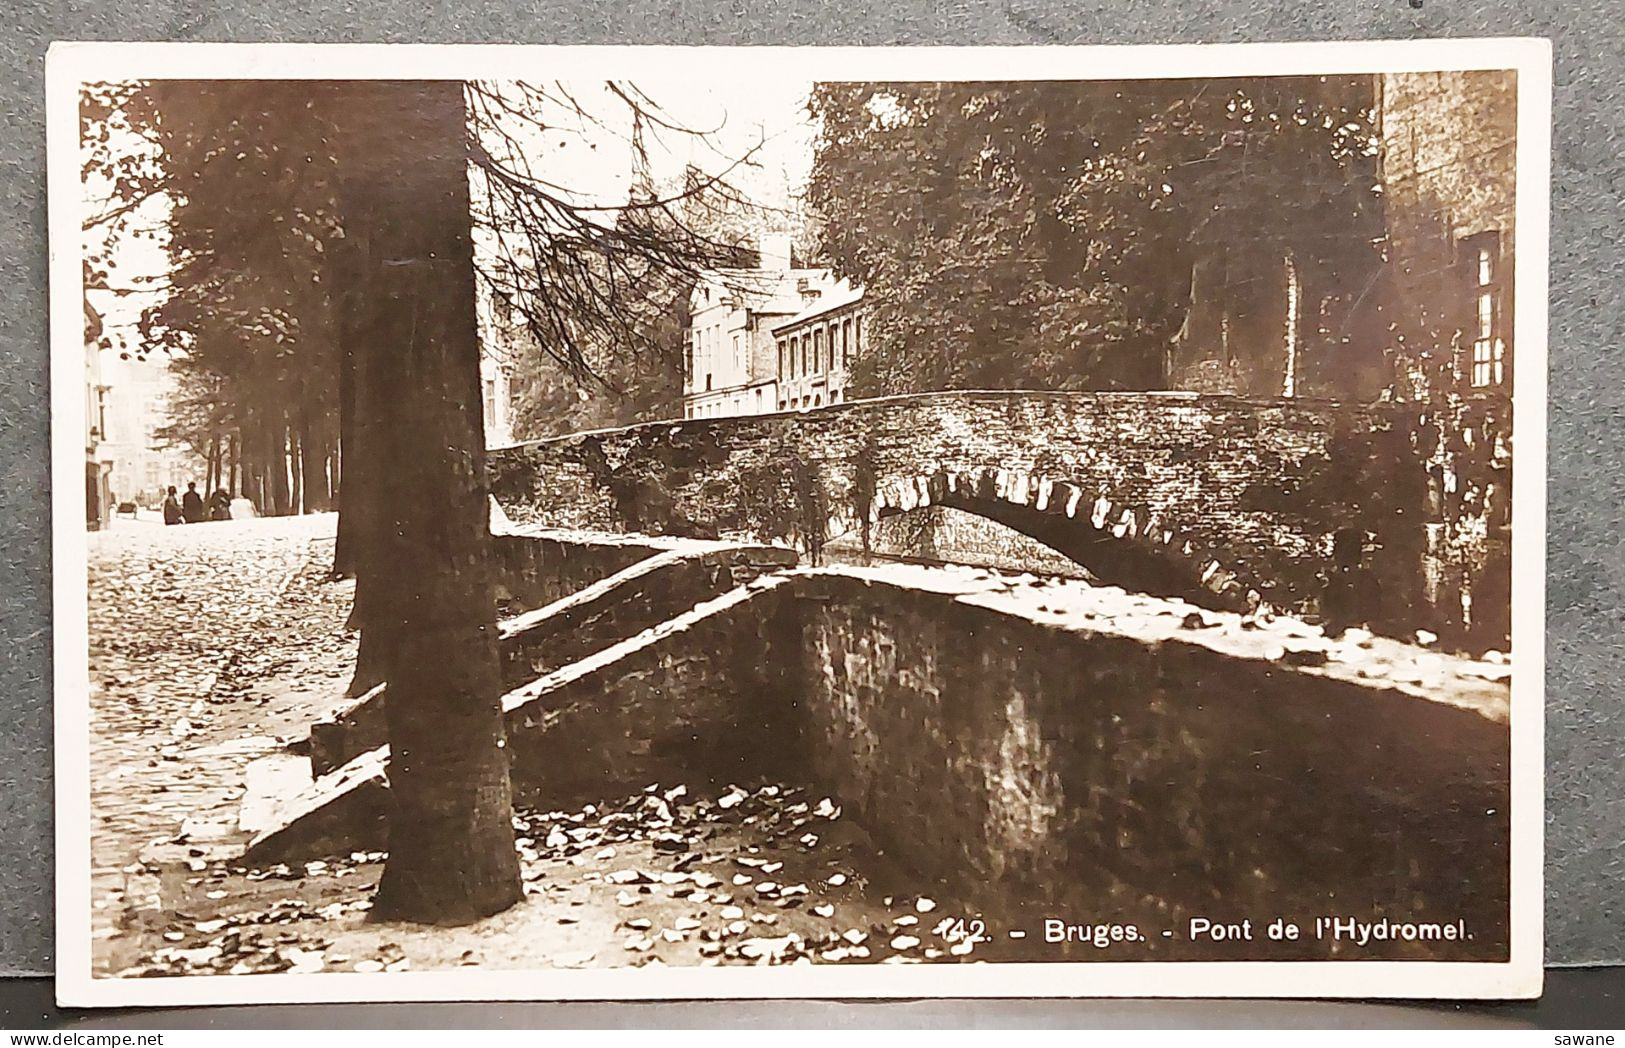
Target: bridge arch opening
[[1115, 543]]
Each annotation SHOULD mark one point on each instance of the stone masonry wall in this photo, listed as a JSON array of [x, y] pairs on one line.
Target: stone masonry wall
[[1450, 177], [1132, 768], [534, 570], [1048, 748], [1254, 487], [701, 699], [592, 614], [942, 534], [644, 596]]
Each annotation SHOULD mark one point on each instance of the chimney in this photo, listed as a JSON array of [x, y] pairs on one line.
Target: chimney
[[774, 249]]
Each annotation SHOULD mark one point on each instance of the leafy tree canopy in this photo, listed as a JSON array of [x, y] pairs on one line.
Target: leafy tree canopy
[[1044, 234]]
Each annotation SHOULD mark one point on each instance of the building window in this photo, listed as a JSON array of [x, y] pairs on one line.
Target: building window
[[783, 352], [1483, 258], [846, 342], [490, 403]]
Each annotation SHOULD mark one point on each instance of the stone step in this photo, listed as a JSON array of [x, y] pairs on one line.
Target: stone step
[[638, 705], [343, 811], [535, 643]]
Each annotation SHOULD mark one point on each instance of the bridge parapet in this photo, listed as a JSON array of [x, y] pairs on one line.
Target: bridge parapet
[[1227, 501]]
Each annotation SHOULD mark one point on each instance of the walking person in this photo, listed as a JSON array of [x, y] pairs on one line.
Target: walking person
[[192, 504], [172, 508]]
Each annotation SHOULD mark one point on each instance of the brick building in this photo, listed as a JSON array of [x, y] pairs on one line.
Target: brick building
[[816, 348], [1449, 166]]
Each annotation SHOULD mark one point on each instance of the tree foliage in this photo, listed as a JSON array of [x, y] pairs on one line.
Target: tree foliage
[[635, 374], [590, 295], [1046, 234], [249, 316]]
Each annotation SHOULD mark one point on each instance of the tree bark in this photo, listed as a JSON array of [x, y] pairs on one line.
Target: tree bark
[[232, 455], [211, 473], [296, 494], [358, 428], [248, 449], [350, 504], [335, 477], [277, 462], [451, 854], [312, 466]]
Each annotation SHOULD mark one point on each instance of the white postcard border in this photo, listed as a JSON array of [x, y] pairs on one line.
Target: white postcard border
[[69, 65]]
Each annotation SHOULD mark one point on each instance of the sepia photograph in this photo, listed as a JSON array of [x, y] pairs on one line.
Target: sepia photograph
[[781, 522]]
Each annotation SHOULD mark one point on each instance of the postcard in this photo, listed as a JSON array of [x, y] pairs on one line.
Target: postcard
[[656, 522]]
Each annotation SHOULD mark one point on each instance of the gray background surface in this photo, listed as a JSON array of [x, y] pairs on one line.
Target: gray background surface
[[1586, 723]]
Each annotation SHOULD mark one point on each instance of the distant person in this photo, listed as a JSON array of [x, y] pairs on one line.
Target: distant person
[[172, 508], [192, 504], [220, 505]]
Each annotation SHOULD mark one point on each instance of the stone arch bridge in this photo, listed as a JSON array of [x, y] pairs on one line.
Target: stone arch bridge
[[1228, 502]]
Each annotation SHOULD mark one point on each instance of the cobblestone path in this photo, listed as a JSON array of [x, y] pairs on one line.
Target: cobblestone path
[[210, 645]]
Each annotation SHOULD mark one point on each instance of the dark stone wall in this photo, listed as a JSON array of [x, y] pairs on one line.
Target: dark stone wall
[[1449, 169], [641, 597], [1051, 772], [533, 571], [1168, 493], [605, 609], [942, 534], [1051, 750], [703, 701]]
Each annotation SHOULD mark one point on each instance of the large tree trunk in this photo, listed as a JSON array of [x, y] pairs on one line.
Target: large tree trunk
[[212, 472], [358, 429], [232, 455], [334, 474], [248, 448], [451, 854]]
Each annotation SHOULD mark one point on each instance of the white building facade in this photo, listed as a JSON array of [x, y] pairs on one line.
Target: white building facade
[[816, 348], [135, 406], [731, 360], [504, 341]]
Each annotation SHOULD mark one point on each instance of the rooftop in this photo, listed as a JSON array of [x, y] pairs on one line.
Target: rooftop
[[841, 293], [770, 290]]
